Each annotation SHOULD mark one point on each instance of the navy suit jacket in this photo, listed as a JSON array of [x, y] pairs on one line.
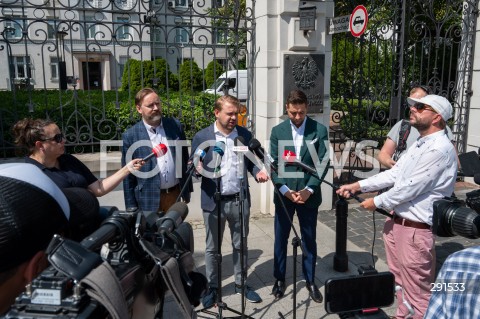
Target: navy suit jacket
[[315, 138], [144, 193], [209, 186]]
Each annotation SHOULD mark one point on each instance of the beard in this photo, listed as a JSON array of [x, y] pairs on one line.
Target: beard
[[419, 125]]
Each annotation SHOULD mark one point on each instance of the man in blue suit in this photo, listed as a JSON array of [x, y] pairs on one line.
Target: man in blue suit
[[307, 140], [225, 130], [158, 184]]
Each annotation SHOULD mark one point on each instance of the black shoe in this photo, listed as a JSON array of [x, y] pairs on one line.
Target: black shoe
[[278, 289], [314, 292]]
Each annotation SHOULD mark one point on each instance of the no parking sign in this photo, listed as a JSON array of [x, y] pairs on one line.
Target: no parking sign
[[358, 21]]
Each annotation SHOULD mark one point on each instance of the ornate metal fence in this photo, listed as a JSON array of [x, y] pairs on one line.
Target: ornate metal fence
[[81, 62], [407, 42]]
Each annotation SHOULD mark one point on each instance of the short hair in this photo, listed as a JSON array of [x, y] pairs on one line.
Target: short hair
[[28, 131], [32, 210], [424, 88], [297, 97], [142, 94], [224, 99]]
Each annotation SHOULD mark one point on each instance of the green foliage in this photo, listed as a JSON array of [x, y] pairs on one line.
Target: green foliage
[[155, 74], [87, 117], [212, 72], [190, 76]]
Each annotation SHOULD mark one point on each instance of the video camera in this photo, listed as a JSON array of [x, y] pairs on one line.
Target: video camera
[[147, 255], [451, 216]]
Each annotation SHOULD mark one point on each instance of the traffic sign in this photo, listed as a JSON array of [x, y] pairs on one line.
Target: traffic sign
[[338, 24], [358, 21]]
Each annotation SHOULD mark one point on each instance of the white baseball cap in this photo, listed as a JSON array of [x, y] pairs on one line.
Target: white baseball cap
[[437, 102]]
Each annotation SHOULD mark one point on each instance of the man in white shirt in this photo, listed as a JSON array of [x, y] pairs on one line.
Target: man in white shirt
[[232, 169], [426, 173]]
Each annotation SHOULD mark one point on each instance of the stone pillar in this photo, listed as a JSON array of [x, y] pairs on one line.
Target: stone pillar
[[278, 34]]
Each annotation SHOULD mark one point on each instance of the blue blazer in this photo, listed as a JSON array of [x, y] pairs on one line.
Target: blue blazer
[[144, 193], [209, 186]]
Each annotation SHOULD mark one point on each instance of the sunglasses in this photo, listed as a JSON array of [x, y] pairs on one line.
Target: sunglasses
[[57, 138], [422, 106]]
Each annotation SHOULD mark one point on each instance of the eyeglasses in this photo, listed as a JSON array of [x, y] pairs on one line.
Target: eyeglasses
[[422, 106], [57, 138]]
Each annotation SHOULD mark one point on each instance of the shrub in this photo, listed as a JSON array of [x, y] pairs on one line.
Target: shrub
[[190, 76], [212, 72]]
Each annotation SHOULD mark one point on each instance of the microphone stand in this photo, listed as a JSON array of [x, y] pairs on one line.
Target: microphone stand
[[243, 232], [189, 172], [218, 258], [296, 242]]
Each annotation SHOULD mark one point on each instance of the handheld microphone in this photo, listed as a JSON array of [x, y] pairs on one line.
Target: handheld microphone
[[240, 148], [258, 150], [175, 215], [198, 157], [218, 150], [157, 151]]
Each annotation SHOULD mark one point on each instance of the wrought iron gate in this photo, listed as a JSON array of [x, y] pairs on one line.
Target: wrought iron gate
[[81, 62], [407, 42]]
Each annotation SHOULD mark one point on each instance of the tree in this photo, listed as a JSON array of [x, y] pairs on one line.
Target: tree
[[212, 72], [153, 73], [190, 76]]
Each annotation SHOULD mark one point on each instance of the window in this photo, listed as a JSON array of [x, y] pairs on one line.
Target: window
[[13, 28], [121, 64], [217, 3], [54, 68], [123, 30], [21, 67], [182, 32], [94, 3], [125, 4], [51, 29], [219, 36], [181, 3], [90, 27]]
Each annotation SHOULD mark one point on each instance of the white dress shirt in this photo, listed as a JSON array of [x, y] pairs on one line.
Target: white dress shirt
[[425, 174], [166, 163], [230, 182], [297, 134]]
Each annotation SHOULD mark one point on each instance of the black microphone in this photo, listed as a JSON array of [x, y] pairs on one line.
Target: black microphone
[[258, 150], [175, 215], [157, 151], [218, 150], [295, 162]]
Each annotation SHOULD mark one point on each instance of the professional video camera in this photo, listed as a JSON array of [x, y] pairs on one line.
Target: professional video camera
[[147, 255], [450, 215], [360, 296]]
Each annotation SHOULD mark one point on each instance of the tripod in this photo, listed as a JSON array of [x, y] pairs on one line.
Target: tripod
[[218, 256]]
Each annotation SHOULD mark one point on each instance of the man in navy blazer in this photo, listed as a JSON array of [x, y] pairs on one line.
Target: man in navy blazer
[[159, 182], [306, 140], [223, 132]]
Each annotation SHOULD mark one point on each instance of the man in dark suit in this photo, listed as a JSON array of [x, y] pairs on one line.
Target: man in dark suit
[[158, 184], [306, 139], [225, 130]]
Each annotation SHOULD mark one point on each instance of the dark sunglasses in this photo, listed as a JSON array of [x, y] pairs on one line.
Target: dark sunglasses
[[57, 138], [422, 106]]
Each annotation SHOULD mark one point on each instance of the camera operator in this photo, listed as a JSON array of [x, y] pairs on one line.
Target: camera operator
[[32, 210], [456, 293], [426, 173]]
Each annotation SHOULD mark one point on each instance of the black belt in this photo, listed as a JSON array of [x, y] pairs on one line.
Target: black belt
[[169, 190], [230, 197]]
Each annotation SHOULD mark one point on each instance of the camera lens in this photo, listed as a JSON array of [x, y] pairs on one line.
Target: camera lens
[[450, 218]]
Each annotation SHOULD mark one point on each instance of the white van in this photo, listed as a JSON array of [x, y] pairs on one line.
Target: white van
[[233, 82]]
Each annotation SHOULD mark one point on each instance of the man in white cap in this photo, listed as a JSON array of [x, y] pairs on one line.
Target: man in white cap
[[426, 173]]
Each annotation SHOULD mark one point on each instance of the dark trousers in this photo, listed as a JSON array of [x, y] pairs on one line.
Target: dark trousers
[[308, 226]]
